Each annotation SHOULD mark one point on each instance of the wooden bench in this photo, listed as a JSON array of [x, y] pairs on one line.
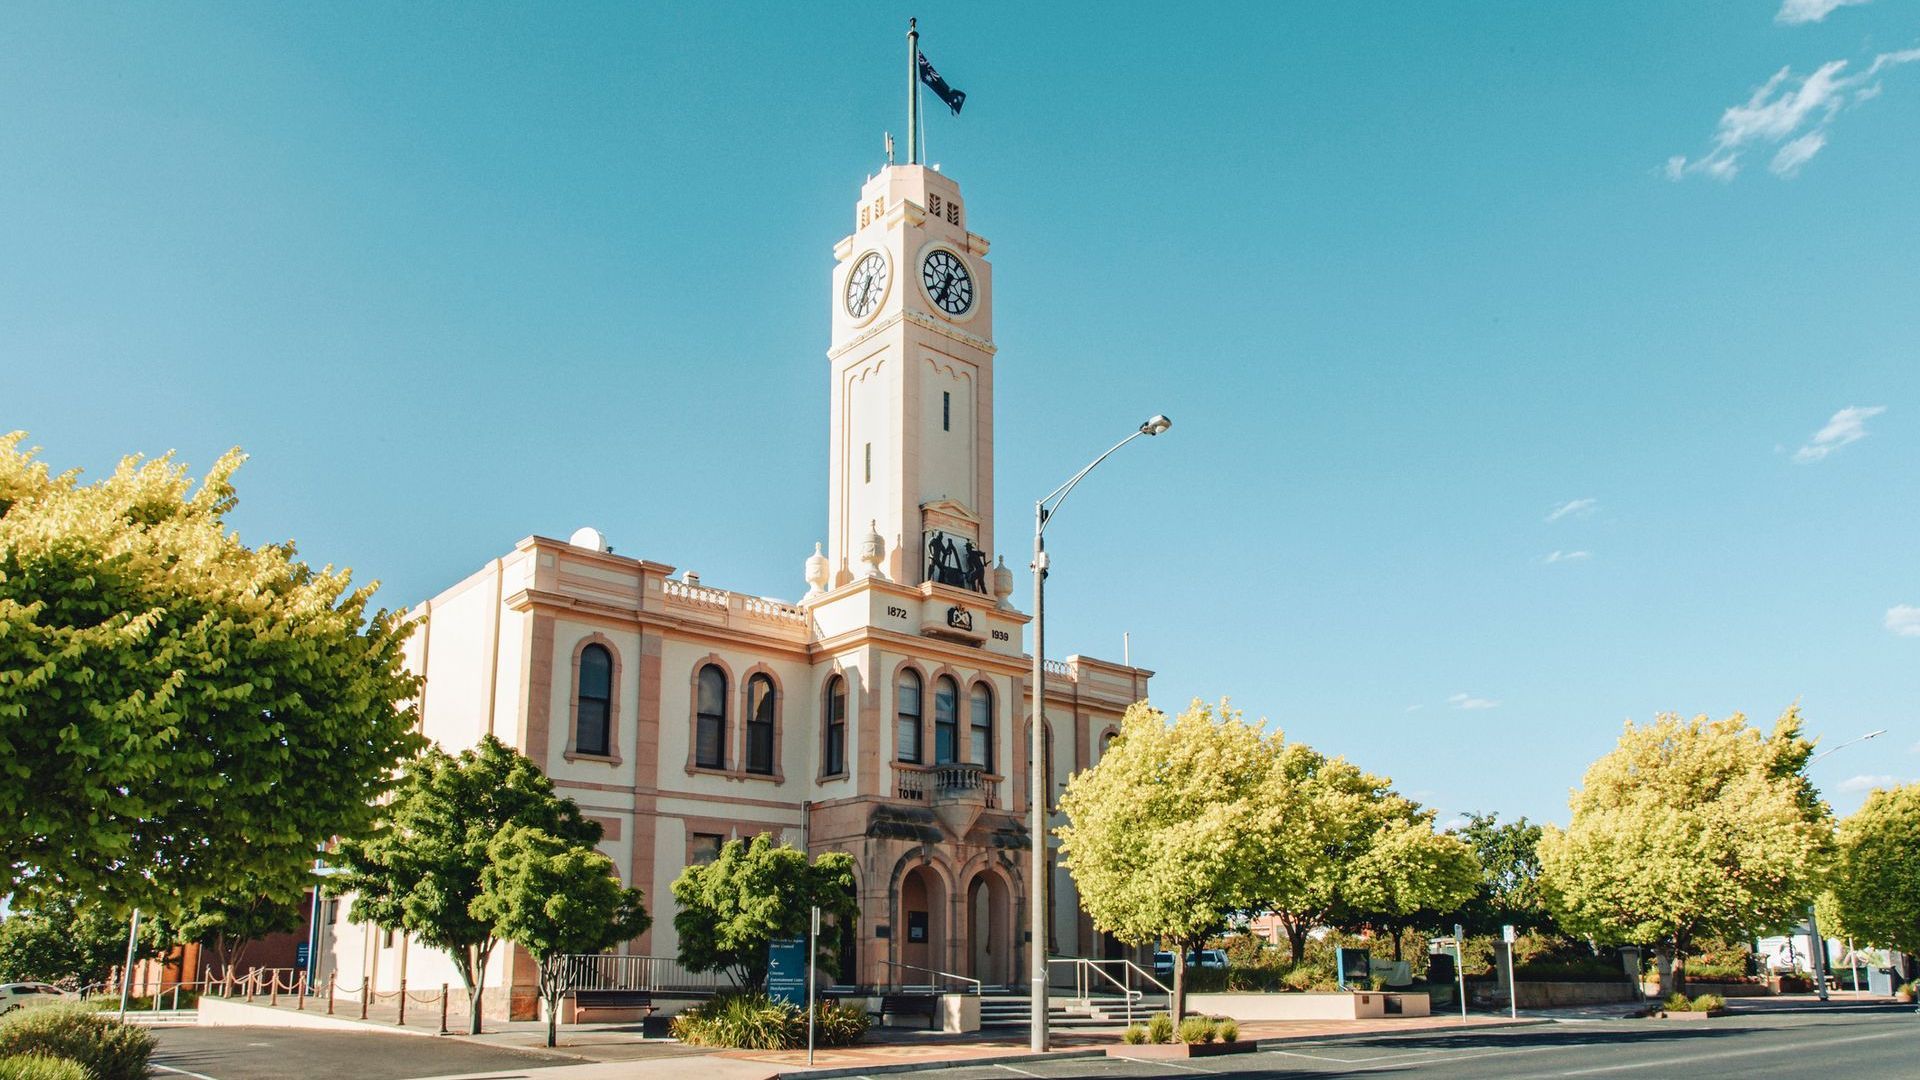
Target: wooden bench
[[612, 1005], [927, 1005]]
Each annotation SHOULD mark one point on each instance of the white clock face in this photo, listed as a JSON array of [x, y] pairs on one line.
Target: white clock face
[[867, 285], [948, 283]]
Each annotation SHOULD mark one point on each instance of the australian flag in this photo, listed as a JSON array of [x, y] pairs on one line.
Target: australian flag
[[953, 98]]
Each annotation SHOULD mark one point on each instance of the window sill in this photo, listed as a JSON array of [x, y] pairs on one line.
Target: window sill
[[736, 774], [825, 777], [604, 759]]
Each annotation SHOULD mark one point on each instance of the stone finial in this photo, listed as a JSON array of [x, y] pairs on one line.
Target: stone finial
[[816, 573], [873, 550], [1002, 583]]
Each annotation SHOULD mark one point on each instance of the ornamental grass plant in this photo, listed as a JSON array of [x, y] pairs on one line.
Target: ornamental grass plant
[[757, 1022], [80, 1033], [40, 1067]]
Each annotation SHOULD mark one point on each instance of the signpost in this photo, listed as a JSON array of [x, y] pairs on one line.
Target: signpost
[[1460, 966], [1513, 985], [813, 994], [787, 969]]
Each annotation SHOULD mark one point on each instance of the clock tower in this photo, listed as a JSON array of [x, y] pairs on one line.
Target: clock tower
[[912, 403]]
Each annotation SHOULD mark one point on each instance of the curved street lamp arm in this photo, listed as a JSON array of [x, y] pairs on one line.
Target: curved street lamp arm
[[1059, 495]]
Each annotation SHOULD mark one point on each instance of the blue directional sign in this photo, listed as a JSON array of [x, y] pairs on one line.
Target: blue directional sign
[[787, 970]]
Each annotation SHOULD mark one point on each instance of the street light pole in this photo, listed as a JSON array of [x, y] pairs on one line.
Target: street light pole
[[1814, 941], [1038, 887]]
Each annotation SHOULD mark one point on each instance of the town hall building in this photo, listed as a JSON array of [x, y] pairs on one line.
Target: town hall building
[[885, 713]]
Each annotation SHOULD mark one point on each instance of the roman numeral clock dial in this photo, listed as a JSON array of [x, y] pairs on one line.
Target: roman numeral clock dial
[[949, 285], [867, 285]]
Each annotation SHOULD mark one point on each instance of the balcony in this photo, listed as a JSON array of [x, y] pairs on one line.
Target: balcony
[[954, 782]]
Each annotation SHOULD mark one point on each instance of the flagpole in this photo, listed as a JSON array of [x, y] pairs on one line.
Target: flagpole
[[913, 90]]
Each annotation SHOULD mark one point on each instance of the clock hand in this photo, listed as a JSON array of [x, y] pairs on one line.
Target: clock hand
[[865, 290]]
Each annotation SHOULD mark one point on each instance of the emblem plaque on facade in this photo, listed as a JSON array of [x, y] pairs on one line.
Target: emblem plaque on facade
[[959, 618]]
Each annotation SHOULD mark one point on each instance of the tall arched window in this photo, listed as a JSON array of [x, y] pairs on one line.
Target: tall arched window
[[835, 755], [593, 701], [710, 723], [946, 721], [906, 730], [760, 724], [981, 752]]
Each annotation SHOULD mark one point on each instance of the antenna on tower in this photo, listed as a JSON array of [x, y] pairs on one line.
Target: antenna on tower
[[889, 147]]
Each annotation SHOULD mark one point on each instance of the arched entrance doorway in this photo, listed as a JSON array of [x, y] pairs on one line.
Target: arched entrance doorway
[[989, 929], [922, 927]]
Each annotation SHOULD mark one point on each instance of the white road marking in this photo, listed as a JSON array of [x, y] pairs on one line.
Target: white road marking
[[1670, 1061], [182, 1072], [1011, 1069]]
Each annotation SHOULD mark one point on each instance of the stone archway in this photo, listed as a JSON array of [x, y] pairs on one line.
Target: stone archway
[[923, 931], [989, 915]]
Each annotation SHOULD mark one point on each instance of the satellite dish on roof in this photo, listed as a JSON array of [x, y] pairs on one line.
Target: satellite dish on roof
[[586, 536]]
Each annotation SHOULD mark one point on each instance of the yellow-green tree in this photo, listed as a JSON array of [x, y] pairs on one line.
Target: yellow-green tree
[[1171, 832], [1410, 875], [1339, 811], [179, 712], [1876, 878], [1689, 829]]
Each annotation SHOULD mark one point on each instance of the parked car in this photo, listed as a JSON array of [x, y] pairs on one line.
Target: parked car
[[19, 995], [1210, 959]]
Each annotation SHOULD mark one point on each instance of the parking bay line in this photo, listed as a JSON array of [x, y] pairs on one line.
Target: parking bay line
[[1802, 1047], [182, 1072]]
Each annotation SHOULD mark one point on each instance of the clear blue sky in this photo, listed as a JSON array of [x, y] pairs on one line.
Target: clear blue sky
[[1408, 277]]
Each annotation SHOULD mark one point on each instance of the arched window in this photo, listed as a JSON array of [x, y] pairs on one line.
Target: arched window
[[836, 727], [982, 749], [906, 732], [593, 701], [710, 723], [760, 724], [1106, 742], [946, 721]]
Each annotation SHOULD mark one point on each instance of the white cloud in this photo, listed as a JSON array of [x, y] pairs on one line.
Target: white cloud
[[1904, 619], [1414, 708], [1455, 823], [1790, 112], [1849, 425], [1573, 508], [1796, 12], [1467, 701], [1866, 783], [1566, 556]]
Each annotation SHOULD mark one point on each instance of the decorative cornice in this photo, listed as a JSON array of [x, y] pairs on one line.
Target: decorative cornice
[[920, 319]]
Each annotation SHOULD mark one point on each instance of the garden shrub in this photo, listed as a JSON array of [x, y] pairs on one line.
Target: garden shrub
[[40, 1067], [1228, 1029], [1299, 978], [1904, 993], [1160, 1028], [80, 1033], [1677, 1002], [757, 1022], [1709, 1003], [1134, 1035], [1196, 1029]]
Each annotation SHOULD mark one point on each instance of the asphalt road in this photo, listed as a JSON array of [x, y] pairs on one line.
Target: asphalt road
[[1828, 1045], [275, 1053]]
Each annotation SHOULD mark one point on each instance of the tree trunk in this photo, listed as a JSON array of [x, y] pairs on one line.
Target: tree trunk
[[472, 966], [1177, 1008], [1297, 941], [1396, 944], [1682, 944]]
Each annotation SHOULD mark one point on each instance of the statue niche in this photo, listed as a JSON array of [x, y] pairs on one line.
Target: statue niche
[[954, 560]]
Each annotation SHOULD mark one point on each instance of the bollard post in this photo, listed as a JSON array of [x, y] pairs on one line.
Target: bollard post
[[253, 980], [443, 1008], [273, 990], [176, 997], [403, 1004], [333, 983], [366, 989], [302, 1007]]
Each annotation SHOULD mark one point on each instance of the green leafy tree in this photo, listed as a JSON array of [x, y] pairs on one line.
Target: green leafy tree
[[420, 870], [70, 941], [177, 709], [1876, 879], [227, 924], [1168, 836], [1690, 829], [732, 908], [554, 899], [1509, 893], [1411, 875], [1339, 810]]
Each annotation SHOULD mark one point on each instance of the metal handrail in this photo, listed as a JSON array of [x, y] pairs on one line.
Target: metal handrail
[[1082, 965], [935, 971]]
